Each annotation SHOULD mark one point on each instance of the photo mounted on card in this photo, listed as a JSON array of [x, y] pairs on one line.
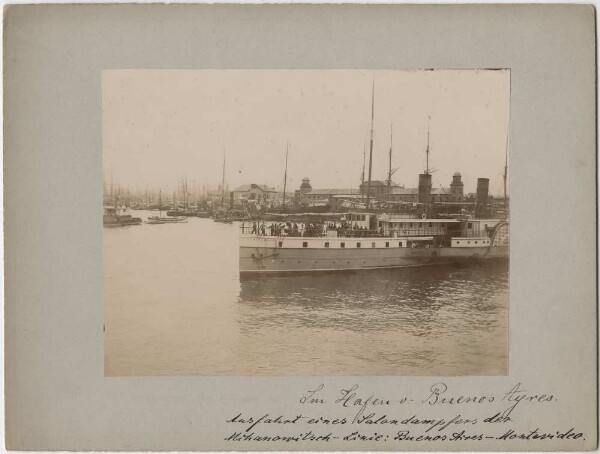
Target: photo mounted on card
[[300, 227]]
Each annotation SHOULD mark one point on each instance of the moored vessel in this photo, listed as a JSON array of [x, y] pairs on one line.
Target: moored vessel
[[113, 217]]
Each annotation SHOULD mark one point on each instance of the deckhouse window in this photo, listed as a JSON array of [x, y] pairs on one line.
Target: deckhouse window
[[342, 244], [387, 244], [373, 244], [281, 244], [305, 244], [469, 225], [357, 244], [327, 244], [400, 244]]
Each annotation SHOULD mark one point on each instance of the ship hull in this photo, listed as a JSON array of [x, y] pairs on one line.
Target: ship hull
[[269, 259]]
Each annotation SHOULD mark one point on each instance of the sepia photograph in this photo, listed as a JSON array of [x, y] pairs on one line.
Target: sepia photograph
[[306, 222]]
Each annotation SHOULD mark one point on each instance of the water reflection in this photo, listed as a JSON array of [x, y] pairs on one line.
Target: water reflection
[[435, 320], [414, 299]]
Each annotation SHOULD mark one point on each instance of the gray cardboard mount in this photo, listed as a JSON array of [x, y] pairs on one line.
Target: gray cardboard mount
[[57, 397]]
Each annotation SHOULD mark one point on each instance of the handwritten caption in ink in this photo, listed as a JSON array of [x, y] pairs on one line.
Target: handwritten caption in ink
[[353, 414]]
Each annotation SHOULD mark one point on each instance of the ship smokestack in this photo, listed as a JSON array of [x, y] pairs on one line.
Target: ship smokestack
[[483, 185], [424, 195]]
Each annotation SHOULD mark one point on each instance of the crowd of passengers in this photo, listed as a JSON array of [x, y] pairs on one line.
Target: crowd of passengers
[[312, 229]]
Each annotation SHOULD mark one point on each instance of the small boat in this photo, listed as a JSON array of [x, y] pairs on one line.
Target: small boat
[[166, 220], [155, 221]]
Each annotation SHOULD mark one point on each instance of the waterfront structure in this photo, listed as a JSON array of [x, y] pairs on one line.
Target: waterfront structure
[[456, 188], [306, 196], [378, 189], [254, 194]]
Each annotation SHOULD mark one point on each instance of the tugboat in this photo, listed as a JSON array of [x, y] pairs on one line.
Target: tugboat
[[115, 218]]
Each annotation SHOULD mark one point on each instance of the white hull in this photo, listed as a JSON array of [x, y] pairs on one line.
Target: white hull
[[265, 255]]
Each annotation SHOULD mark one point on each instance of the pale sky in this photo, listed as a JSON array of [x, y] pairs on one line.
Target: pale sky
[[162, 125]]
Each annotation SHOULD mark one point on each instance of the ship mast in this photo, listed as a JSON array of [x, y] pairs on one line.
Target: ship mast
[[159, 203], [389, 182], [505, 175], [287, 146], [184, 187], [371, 145], [362, 177], [427, 151], [223, 181], [112, 196]]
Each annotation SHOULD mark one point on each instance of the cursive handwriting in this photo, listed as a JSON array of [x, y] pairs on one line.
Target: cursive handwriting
[[354, 414]]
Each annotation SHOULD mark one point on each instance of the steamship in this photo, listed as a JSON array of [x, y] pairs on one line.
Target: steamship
[[399, 242], [368, 240]]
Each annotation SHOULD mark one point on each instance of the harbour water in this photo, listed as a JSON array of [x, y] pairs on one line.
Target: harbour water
[[175, 306]]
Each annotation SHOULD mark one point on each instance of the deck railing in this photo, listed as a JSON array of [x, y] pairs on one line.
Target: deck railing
[[260, 229]]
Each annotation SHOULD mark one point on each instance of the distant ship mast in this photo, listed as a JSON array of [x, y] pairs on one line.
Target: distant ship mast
[[390, 171], [287, 147], [223, 181], [505, 175], [371, 145], [427, 150], [362, 176]]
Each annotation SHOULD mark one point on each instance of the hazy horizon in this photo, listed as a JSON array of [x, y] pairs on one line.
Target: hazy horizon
[[163, 125]]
